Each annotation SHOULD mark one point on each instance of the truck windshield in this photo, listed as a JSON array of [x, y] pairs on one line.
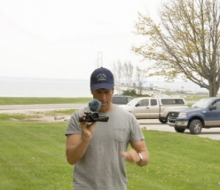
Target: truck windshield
[[203, 103]]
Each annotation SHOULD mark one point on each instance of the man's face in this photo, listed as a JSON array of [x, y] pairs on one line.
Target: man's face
[[105, 97]]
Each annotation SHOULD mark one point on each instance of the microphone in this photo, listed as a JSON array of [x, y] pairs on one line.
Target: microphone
[[94, 105]]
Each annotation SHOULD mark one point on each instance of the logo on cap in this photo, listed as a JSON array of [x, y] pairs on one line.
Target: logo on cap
[[101, 77]]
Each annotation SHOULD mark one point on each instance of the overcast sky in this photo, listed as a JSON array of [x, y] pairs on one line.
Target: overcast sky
[[62, 39]]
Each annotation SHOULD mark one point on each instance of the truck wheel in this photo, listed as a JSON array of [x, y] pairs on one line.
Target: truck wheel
[[179, 130], [195, 126], [164, 120]]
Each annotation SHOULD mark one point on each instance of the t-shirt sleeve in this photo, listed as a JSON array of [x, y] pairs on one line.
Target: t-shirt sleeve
[[73, 126]]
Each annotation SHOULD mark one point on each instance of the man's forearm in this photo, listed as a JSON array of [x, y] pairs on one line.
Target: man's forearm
[[145, 156], [76, 152]]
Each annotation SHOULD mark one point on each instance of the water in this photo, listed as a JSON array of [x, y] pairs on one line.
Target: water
[[26, 87], [17, 87]]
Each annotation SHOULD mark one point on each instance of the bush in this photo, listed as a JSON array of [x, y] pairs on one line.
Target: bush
[[129, 92]]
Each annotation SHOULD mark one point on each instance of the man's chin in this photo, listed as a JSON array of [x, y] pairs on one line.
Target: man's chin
[[103, 108]]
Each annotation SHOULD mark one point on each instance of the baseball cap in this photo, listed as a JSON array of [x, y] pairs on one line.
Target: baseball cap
[[102, 78]]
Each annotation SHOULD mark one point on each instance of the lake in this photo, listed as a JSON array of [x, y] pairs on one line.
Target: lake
[[25, 87]]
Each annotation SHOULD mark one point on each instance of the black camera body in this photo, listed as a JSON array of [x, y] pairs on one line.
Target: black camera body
[[93, 117]]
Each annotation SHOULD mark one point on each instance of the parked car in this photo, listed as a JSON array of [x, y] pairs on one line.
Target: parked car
[[203, 114], [154, 108], [121, 100]]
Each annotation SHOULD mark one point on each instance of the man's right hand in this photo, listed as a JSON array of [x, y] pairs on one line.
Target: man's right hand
[[87, 129]]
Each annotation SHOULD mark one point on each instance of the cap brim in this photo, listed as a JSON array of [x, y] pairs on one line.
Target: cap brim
[[102, 85]]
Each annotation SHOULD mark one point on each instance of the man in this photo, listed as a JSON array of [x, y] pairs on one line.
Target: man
[[99, 149]]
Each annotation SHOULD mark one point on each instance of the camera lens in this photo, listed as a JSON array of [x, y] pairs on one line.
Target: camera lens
[[95, 116]]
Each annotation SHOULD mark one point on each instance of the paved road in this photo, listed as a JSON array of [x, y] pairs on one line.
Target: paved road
[[150, 124], [154, 124]]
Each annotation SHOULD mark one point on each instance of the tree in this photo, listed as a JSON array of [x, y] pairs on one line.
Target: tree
[[185, 42], [140, 75], [117, 70], [128, 72]]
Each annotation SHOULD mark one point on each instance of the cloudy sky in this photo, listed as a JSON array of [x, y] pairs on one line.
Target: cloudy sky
[[64, 39]]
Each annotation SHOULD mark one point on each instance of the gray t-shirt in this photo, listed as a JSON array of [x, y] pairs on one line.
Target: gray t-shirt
[[102, 167]]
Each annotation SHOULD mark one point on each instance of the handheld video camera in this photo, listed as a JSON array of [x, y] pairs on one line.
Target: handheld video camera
[[92, 117]]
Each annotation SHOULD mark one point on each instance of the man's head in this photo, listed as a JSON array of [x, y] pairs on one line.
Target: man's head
[[102, 87]]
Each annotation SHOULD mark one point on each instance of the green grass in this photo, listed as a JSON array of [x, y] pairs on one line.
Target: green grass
[[195, 97], [29, 100], [35, 100], [21, 116], [57, 112], [33, 157], [178, 162], [4, 116]]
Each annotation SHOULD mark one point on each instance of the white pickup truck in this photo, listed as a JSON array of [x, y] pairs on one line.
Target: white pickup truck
[[154, 108]]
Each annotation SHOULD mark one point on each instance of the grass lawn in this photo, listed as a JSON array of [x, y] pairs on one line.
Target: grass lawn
[[33, 158], [178, 162], [51, 100], [35, 100]]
